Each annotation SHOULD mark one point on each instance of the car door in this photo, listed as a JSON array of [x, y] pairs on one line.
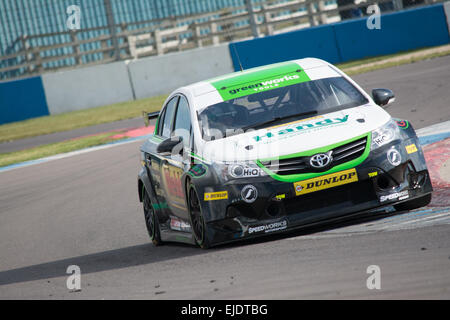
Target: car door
[[178, 162], [163, 131]]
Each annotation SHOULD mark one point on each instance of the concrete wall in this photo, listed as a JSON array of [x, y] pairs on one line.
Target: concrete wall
[[447, 14], [161, 75], [349, 40], [22, 99], [87, 87]]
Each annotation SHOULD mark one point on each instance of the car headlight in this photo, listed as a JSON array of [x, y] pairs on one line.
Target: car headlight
[[385, 134], [231, 171]]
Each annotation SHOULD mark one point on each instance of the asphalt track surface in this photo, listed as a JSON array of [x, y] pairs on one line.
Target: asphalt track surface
[[84, 210], [27, 143]]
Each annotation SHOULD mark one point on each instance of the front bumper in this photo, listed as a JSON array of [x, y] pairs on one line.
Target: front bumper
[[278, 208]]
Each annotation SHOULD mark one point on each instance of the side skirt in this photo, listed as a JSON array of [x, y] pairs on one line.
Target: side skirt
[[168, 235]]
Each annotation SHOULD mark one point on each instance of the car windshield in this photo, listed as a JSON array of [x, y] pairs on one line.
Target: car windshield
[[278, 106]]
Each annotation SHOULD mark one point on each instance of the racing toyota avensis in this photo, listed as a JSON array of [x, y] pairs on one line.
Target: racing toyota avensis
[[272, 149]]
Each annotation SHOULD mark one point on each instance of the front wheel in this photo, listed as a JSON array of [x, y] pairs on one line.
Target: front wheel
[[414, 204], [151, 220], [199, 228]]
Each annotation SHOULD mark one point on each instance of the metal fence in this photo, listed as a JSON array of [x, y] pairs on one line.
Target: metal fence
[[118, 33]]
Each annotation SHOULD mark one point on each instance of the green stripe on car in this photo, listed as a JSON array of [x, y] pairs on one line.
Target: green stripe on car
[[257, 80]]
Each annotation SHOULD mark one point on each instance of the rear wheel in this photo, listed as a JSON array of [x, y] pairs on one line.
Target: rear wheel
[[414, 204], [151, 220], [199, 228]]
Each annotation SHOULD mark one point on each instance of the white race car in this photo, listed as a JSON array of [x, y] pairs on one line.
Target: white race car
[[275, 148]]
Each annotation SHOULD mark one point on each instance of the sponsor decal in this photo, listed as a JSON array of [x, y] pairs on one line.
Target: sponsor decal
[[171, 177], [240, 171], [403, 124], [249, 193], [176, 224], [197, 170], [264, 85], [260, 81], [271, 227], [395, 196], [160, 206], [411, 148], [325, 182], [211, 196], [373, 174], [383, 138], [394, 157], [296, 121], [301, 127], [280, 197]]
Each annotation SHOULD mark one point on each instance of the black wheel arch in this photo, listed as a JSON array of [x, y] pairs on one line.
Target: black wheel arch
[[145, 183], [406, 128], [199, 185]]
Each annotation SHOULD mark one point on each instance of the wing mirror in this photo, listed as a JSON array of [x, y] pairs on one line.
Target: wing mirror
[[169, 144], [383, 97]]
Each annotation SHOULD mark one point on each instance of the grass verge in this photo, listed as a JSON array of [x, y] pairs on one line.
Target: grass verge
[[55, 148], [383, 62], [78, 119]]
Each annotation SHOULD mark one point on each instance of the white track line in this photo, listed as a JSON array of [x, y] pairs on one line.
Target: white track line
[[380, 226], [418, 221], [70, 154]]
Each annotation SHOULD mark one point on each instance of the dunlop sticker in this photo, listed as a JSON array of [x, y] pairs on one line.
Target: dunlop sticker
[[325, 182], [210, 196], [411, 148]]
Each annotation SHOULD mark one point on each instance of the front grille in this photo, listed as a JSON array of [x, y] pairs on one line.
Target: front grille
[[297, 165], [349, 151]]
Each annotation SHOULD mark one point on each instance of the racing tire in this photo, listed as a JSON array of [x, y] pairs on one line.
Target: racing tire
[[414, 204], [199, 227], [151, 219]]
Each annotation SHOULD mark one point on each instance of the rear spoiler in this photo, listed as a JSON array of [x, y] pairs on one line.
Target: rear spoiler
[[149, 116]]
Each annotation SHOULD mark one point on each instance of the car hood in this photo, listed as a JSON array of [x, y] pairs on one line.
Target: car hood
[[297, 136]]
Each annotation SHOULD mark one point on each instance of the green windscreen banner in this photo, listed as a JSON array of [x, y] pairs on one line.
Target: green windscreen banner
[[259, 80]]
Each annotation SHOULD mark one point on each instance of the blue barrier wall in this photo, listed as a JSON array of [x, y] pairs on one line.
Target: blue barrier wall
[[400, 31], [22, 99], [349, 40], [318, 42]]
